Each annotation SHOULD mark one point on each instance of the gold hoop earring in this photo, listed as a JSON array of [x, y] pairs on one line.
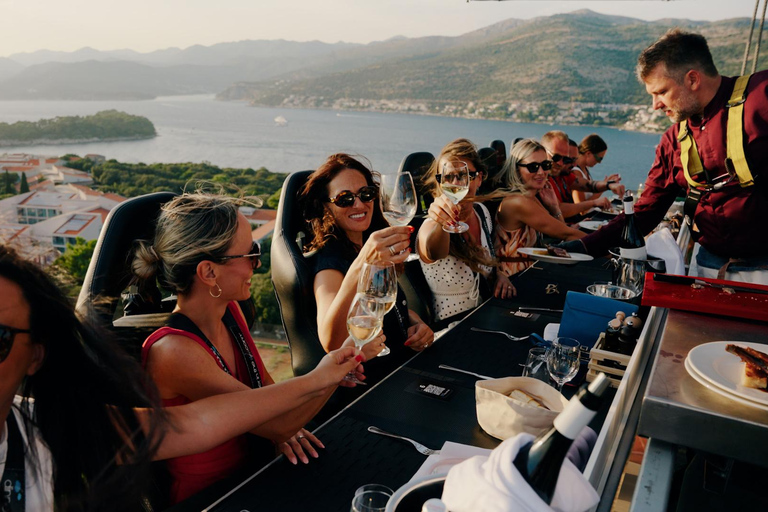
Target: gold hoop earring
[[210, 291]]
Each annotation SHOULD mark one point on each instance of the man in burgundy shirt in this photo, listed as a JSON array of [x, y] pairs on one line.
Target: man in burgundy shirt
[[679, 74], [564, 182]]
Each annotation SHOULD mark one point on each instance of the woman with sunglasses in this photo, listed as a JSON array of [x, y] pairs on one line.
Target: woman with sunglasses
[[592, 150], [456, 265], [80, 421], [529, 206], [341, 205], [203, 252]]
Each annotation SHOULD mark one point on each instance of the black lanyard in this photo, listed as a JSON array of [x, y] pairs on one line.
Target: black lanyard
[[484, 223], [12, 484], [183, 322]]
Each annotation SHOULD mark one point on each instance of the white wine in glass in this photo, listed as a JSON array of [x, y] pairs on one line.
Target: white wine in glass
[[362, 326], [377, 287], [454, 182]]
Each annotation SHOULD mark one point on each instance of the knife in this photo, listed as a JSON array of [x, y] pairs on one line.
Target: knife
[[524, 308], [687, 280]]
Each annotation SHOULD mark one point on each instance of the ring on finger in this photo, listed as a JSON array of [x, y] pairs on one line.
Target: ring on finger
[[299, 438], [392, 250]]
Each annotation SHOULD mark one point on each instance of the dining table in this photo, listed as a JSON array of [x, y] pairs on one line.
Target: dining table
[[401, 404]]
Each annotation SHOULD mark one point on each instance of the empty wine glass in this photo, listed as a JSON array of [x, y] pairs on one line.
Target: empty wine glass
[[363, 326], [454, 182], [563, 360], [398, 198], [378, 287]]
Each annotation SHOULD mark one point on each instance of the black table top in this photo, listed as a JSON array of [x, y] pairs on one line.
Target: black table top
[[354, 457]]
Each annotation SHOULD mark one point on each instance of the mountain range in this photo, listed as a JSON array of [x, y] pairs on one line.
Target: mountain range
[[577, 57]]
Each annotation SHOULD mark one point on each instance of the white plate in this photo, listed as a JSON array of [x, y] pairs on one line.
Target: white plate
[[701, 380], [575, 258], [592, 225], [723, 369]]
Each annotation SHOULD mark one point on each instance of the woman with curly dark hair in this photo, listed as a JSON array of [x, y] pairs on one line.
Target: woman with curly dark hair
[[341, 204]]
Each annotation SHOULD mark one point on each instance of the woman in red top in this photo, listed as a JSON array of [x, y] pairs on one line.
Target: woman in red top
[[203, 251]]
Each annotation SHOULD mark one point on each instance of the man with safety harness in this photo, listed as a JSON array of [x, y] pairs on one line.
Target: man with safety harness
[[716, 155]]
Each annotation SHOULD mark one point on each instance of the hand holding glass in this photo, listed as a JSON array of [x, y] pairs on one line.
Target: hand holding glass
[[454, 182], [362, 327], [378, 287], [563, 360]]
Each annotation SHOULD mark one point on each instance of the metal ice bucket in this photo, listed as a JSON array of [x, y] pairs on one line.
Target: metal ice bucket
[[629, 273]]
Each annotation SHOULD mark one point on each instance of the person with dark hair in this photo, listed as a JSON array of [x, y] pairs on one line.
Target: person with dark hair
[[715, 153], [79, 420], [341, 205], [528, 207], [455, 264], [563, 182], [203, 252], [590, 152]]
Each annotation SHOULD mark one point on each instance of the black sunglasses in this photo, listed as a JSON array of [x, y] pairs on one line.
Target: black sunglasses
[[7, 335], [598, 158], [346, 198], [472, 175], [254, 254], [533, 167], [567, 160]]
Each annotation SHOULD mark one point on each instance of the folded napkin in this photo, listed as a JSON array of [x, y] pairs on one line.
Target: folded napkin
[[450, 454], [493, 484], [662, 245]]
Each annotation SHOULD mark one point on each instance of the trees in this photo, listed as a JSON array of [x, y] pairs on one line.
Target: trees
[[76, 258], [8, 184], [107, 124], [24, 187]]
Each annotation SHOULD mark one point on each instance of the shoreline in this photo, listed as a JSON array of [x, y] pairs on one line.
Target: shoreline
[[63, 142]]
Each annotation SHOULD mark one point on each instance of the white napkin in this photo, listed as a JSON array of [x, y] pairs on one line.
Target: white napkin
[[662, 245], [493, 484], [551, 331], [450, 454]]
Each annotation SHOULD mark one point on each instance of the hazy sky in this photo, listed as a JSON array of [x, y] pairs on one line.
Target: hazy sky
[[146, 25]]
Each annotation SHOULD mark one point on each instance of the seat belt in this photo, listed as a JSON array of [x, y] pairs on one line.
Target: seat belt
[[735, 162]]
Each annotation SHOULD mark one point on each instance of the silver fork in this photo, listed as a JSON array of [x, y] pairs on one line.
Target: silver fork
[[420, 447], [513, 338]]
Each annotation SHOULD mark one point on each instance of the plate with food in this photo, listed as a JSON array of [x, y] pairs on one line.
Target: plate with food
[[592, 225], [555, 255], [739, 368]]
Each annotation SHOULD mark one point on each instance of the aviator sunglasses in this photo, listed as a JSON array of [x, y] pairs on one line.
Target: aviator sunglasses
[[566, 159], [533, 167], [254, 255], [346, 198], [7, 335]]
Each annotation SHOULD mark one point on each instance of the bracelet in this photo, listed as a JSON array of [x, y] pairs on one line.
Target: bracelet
[[609, 183]]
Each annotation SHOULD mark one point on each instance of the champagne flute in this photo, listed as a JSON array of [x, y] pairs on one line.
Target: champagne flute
[[362, 326], [563, 360], [378, 287], [454, 182], [398, 198]]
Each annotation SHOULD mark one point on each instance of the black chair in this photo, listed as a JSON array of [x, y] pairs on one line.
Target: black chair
[[109, 271], [417, 291], [488, 157], [293, 276], [418, 164]]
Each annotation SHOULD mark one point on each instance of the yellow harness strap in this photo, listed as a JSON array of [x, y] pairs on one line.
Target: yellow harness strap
[[736, 160]]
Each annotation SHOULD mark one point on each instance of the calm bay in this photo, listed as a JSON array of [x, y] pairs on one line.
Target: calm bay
[[231, 134]]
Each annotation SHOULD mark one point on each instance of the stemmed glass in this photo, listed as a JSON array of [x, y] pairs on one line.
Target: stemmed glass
[[454, 182], [563, 360], [363, 326], [398, 198], [378, 289]]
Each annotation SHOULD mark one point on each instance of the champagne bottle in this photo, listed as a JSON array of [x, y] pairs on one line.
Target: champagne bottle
[[632, 245], [539, 462]]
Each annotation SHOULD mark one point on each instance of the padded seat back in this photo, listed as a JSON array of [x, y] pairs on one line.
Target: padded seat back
[[293, 278], [418, 164]]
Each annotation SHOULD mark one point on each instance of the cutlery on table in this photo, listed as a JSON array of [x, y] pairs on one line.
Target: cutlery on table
[[547, 310], [513, 338], [687, 280], [419, 447], [446, 367]]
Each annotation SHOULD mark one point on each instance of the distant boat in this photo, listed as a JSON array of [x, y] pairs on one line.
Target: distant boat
[[281, 121]]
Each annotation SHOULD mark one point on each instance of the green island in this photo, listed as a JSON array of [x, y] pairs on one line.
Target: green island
[[107, 125]]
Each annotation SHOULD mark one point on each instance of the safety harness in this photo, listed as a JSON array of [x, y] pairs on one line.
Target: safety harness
[[735, 161]]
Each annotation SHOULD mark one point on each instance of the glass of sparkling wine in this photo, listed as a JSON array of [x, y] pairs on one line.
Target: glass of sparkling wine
[[362, 326], [454, 182], [378, 287], [398, 198], [563, 360]]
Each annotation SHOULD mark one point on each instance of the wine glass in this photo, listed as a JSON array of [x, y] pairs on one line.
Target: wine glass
[[563, 360], [454, 182], [398, 198], [378, 287], [363, 326]]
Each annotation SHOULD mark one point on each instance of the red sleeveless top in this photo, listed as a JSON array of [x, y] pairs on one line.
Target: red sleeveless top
[[192, 473]]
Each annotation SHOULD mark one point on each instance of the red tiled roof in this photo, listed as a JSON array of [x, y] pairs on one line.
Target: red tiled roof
[[263, 215], [263, 231], [101, 211]]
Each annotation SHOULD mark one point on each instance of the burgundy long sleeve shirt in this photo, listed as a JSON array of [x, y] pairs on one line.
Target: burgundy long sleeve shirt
[[732, 220]]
